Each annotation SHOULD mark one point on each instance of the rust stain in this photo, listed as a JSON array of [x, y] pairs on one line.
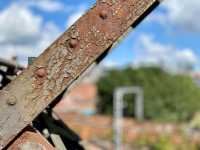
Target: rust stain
[[30, 139]]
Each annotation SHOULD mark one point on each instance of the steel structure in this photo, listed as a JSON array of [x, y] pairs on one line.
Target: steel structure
[[119, 94], [85, 42]]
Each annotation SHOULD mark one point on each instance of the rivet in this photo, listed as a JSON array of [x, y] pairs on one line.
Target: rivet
[[103, 14], [41, 72], [12, 100], [73, 43]]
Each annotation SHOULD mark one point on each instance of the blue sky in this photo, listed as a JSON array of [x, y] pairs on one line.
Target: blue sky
[[169, 36]]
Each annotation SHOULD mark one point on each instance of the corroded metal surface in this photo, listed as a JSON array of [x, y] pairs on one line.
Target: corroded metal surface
[[30, 140], [63, 62]]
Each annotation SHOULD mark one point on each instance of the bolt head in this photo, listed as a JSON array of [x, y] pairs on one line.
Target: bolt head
[[103, 14], [73, 43], [41, 72], [12, 100]]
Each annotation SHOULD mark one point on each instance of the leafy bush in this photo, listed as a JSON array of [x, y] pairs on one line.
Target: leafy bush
[[165, 143], [167, 97]]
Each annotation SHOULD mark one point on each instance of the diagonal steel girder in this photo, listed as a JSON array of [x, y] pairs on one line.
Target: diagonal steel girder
[[65, 60]]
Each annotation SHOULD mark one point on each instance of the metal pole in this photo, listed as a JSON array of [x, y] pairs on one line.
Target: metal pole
[[139, 105], [118, 111], [118, 115]]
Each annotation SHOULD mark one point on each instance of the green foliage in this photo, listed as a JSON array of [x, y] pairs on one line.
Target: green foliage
[[163, 143], [167, 96]]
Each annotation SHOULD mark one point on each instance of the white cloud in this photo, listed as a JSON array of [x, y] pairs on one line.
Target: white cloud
[[152, 47], [47, 5], [75, 16], [109, 64], [149, 51], [180, 13], [17, 23], [186, 55], [24, 33]]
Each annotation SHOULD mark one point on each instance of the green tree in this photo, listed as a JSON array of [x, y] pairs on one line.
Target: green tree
[[166, 96]]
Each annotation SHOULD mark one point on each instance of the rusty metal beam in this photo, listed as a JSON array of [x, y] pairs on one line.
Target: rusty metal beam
[[30, 139], [65, 60]]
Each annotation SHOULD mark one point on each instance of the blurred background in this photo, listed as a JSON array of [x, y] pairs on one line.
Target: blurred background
[[160, 58]]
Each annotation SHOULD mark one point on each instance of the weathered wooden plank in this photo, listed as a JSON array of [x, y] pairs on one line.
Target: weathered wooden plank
[[63, 62]]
